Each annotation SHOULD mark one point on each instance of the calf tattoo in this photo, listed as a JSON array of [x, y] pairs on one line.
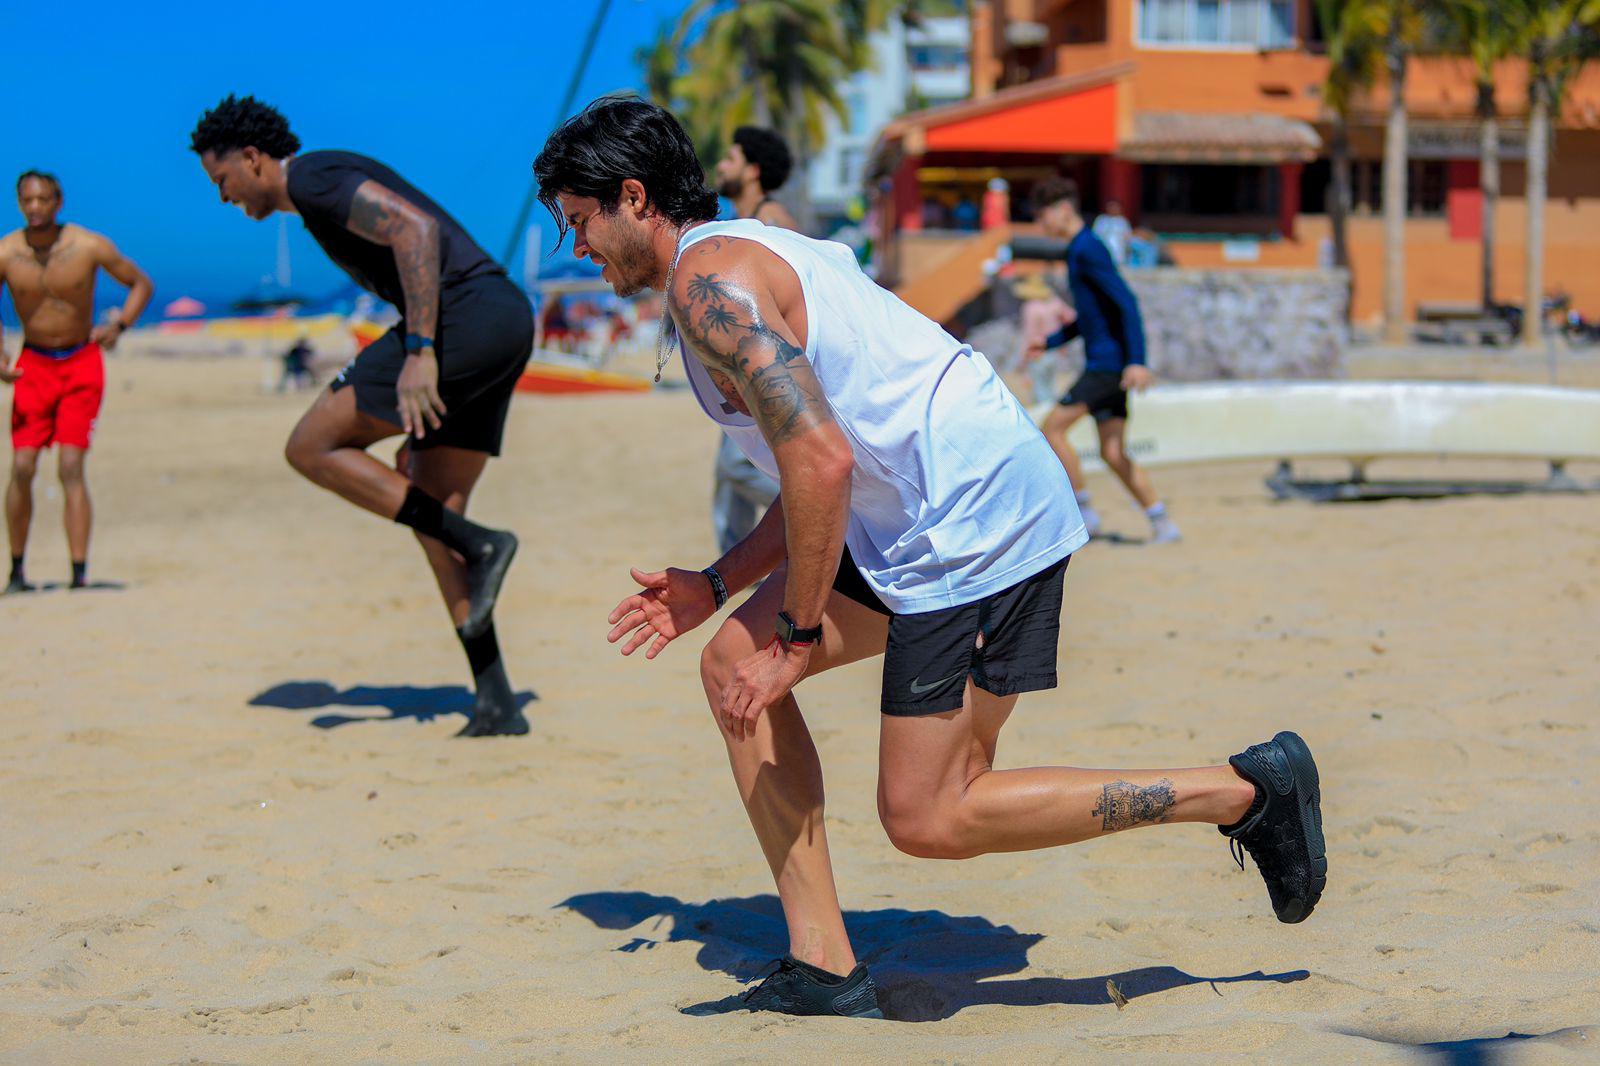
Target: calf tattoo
[[1123, 805]]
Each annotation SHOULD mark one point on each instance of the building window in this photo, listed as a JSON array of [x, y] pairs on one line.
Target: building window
[[931, 57], [1425, 187], [1210, 198], [1217, 23], [852, 161]]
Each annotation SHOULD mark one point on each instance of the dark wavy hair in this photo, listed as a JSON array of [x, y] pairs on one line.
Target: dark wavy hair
[[243, 122], [1052, 191], [39, 175], [768, 151], [619, 137]]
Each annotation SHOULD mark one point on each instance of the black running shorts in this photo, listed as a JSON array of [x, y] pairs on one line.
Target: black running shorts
[[485, 336], [1101, 392], [930, 655]]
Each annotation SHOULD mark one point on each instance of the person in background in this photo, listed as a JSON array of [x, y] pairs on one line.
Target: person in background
[[1107, 318], [1114, 232]]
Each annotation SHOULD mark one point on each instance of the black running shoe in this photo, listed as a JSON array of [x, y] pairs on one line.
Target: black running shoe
[[1283, 829], [798, 988], [487, 564]]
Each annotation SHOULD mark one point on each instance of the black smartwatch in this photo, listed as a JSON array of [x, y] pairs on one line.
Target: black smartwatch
[[792, 634]]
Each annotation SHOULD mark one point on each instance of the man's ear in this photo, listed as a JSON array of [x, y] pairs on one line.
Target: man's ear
[[252, 158], [634, 198]]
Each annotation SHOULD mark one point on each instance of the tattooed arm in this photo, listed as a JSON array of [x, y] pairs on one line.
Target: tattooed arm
[[728, 315], [384, 217]]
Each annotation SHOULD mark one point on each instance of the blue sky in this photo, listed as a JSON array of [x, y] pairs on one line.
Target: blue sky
[[456, 96]]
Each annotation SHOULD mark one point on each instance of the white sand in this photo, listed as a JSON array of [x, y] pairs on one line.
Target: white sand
[[187, 875]]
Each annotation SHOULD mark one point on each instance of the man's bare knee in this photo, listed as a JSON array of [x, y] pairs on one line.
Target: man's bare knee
[[1058, 421], [24, 465], [718, 660], [917, 825], [70, 470]]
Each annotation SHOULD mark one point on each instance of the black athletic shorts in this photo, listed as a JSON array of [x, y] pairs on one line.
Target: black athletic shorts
[[930, 656], [485, 336], [1101, 392]]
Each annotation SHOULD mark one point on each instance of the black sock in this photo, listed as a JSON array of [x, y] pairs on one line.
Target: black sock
[[488, 671], [16, 568], [80, 572], [433, 519]]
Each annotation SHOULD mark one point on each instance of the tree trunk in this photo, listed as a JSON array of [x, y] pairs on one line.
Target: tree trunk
[[1339, 205], [1488, 182], [1394, 188], [1339, 194], [1538, 177]]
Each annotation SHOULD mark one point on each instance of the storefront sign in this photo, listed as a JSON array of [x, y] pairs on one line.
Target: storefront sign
[[1461, 142]]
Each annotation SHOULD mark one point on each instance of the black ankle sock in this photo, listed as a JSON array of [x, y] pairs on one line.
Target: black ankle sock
[[433, 519], [488, 671], [80, 572], [16, 568]]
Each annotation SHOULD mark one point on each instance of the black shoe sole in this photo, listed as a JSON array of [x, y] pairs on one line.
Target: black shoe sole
[[1308, 790], [488, 591], [512, 725]]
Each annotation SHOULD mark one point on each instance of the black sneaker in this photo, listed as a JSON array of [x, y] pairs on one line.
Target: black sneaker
[[1283, 829], [798, 988]]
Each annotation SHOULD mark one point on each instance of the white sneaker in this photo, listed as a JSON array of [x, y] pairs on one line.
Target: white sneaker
[[1165, 531]]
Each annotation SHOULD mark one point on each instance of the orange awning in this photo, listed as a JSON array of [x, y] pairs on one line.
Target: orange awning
[[1063, 115]]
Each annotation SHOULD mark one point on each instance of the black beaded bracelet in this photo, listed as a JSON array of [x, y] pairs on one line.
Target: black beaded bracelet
[[719, 590]]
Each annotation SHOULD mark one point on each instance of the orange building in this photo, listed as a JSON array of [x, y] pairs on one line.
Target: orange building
[[1205, 120]]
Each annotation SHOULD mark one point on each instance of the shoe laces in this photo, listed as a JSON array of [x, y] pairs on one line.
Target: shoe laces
[[778, 966], [1265, 853]]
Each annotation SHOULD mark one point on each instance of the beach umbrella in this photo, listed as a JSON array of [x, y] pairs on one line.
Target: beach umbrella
[[184, 307]]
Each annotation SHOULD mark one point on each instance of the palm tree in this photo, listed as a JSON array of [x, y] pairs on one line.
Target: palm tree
[[1483, 31], [1559, 36], [1353, 30], [1400, 34]]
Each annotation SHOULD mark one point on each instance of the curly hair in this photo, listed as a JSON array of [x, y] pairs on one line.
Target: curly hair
[[39, 175], [767, 150], [615, 138], [243, 122]]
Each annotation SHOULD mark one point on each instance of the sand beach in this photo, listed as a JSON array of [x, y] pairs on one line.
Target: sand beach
[[234, 826]]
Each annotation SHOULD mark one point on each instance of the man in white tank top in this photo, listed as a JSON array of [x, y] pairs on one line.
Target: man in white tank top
[[922, 517]]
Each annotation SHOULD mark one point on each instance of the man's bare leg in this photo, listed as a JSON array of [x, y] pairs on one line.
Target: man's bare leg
[[77, 512], [777, 771], [940, 797], [19, 512], [329, 445], [1113, 432], [1056, 424]]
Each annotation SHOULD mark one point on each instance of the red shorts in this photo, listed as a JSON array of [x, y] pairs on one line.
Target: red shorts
[[56, 401]]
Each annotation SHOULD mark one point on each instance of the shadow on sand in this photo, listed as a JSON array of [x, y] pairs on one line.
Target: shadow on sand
[[928, 965], [403, 702]]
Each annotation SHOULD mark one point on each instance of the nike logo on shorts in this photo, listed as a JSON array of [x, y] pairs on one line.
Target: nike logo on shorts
[[918, 688]]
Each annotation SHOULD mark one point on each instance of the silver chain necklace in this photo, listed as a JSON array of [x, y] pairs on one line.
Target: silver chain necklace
[[666, 327]]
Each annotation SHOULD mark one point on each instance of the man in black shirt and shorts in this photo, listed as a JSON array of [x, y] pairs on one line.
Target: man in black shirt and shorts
[[444, 375]]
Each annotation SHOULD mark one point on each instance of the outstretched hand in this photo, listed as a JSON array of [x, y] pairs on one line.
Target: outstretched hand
[[9, 371], [673, 602]]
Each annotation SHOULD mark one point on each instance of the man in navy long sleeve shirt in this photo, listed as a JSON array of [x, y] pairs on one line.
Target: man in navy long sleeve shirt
[[1113, 340]]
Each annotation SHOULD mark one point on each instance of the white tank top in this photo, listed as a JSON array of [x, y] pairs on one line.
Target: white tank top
[[955, 494]]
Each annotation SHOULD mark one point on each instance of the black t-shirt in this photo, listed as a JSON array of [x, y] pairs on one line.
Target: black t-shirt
[[322, 185]]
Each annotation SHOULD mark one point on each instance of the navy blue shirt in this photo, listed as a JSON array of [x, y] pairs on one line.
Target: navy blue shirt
[[1108, 314]]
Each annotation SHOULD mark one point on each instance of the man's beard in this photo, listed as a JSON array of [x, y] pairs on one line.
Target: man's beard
[[631, 264], [731, 188]]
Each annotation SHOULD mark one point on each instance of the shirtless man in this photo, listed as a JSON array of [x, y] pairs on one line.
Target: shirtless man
[[59, 376], [754, 167], [923, 519]]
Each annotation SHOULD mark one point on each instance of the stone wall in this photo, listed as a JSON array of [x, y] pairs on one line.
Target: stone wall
[[1204, 325]]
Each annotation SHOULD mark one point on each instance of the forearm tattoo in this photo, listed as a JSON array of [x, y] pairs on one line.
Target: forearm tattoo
[[724, 329], [1123, 805], [382, 217]]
